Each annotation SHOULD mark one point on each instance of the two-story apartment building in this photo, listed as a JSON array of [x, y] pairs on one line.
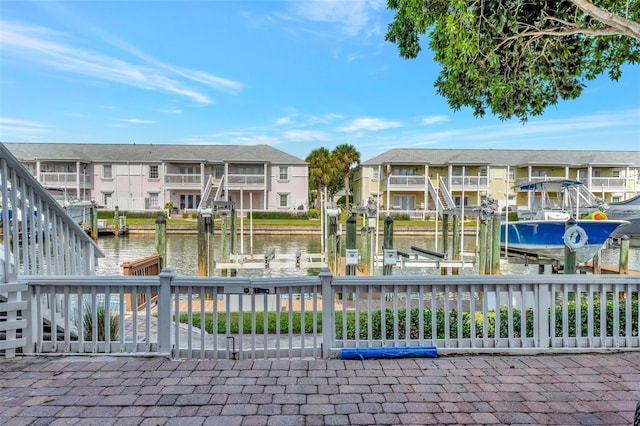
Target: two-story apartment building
[[137, 177], [409, 179]]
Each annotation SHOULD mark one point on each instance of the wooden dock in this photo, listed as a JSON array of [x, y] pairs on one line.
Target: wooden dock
[[606, 269]]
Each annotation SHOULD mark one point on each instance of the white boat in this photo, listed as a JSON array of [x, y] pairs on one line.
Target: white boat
[[546, 230], [626, 210], [78, 210]]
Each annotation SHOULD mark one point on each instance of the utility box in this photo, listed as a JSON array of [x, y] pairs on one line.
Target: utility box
[[351, 256], [390, 257]]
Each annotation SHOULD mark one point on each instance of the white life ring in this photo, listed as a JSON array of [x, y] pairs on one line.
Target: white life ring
[[575, 237]]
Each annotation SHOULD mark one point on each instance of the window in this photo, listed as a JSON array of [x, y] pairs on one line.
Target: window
[[457, 199], [107, 171], [596, 173], [153, 171], [483, 172], [154, 200], [404, 202], [248, 170], [616, 173], [189, 201], [284, 173], [189, 170], [283, 200], [376, 174], [106, 199], [404, 171]]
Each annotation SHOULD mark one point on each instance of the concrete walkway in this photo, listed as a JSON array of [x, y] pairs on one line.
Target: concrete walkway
[[560, 389]]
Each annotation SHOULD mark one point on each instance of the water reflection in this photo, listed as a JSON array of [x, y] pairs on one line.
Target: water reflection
[[182, 254]]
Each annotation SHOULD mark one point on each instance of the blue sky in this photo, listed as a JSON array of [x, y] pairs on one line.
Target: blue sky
[[296, 75]]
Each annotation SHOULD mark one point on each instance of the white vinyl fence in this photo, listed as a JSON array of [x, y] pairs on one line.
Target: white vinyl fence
[[302, 317]]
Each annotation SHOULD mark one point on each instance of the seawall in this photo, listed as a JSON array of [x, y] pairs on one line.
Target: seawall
[[286, 230]]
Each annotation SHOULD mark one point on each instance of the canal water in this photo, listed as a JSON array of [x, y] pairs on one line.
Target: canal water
[[182, 254]]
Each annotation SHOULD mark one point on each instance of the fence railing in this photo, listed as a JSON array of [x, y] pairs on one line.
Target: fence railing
[[37, 237], [290, 317]]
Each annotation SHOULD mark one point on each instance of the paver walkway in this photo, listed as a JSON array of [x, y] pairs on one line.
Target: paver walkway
[[559, 389]]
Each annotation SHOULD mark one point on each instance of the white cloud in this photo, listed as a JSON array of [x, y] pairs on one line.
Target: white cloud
[[305, 135], [324, 118], [371, 124], [434, 119], [137, 121], [353, 16], [42, 46], [18, 129]]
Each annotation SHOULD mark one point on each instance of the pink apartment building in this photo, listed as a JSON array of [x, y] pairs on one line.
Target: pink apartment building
[[139, 177]]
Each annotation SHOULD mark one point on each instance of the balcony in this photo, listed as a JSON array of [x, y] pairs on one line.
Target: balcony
[[458, 183], [179, 180], [406, 182], [237, 181], [610, 184], [64, 180]]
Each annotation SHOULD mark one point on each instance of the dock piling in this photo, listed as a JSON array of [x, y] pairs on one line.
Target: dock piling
[[623, 262]]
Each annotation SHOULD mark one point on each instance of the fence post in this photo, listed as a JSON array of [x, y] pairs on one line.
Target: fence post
[[328, 312], [31, 314], [542, 315], [164, 310]]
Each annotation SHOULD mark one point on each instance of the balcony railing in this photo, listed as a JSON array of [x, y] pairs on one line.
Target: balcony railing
[[417, 182], [185, 180], [236, 181], [469, 182], [608, 184], [65, 179]]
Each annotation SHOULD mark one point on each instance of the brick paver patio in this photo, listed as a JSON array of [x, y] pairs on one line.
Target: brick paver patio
[[560, 389]]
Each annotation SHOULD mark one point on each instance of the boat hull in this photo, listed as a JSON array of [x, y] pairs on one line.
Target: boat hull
[[544, 238]]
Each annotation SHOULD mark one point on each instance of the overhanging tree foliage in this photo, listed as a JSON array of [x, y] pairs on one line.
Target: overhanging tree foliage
[[516, 58]]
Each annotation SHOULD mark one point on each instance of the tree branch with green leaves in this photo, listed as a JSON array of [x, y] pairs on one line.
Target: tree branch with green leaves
[[517, 58]]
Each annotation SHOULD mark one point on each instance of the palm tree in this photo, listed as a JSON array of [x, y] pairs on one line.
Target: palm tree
[[346, 155], [321, 170]]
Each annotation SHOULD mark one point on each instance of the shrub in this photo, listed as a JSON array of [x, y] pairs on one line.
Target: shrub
[[596, 317], [400, 216], [87, 324], [395, 326], [278, 215], [108, 214]]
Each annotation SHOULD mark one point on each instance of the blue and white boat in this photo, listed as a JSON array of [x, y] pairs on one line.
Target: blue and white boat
[[544, 231]]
